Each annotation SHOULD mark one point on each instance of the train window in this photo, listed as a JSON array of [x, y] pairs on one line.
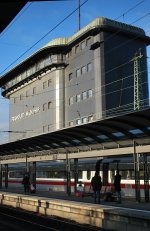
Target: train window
[[88, 174], [79, 174], [51, 174], [128, 175], [16, 174]]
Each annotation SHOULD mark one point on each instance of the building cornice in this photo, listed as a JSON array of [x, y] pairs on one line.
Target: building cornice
[[59, 44]]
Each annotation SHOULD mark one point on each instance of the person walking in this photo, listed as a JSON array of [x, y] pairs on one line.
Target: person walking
[[26, 183], [117, 186], [96, 185]]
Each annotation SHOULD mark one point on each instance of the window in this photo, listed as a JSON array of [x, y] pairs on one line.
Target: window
[[19, 78], [90, 118], [78, 98], [47, 61], [44, 106], [89, 93], [27, 93], [77, 49], [89, 67], [83, 44], [21, 97], [78, 121], [84, 120], [44, 128], [44, 85], [49, 105], [84, 95], [70, 123], [70, 100], [49, 127], [34, 90], [78, 73], [70, 76], [49, 82], [83, 70], [28, 72], [15, 100]]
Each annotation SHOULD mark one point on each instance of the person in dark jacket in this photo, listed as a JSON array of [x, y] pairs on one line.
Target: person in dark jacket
[[117, 186], [26, 183], [96, 185]]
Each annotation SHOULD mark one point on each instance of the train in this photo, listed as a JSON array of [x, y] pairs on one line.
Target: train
[[51, 175]]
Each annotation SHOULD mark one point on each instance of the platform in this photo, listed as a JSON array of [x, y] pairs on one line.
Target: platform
[[127, 216]]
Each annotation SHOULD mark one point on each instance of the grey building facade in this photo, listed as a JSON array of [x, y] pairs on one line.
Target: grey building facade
[[72, 81]]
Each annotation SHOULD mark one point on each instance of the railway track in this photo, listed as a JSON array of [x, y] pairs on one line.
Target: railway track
[[19, 220]]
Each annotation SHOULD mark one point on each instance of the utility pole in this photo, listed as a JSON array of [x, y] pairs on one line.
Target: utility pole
[[137, 81]]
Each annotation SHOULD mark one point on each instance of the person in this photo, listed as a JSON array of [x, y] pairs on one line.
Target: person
[[26, 183], [96, 185], [117, 186], [80, 189]]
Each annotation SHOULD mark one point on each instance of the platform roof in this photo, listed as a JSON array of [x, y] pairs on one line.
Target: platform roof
[[103, 134]]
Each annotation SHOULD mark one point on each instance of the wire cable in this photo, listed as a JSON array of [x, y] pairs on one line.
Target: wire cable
[[44, 36]]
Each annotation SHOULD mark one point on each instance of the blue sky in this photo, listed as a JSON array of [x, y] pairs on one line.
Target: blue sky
[[36, 19]]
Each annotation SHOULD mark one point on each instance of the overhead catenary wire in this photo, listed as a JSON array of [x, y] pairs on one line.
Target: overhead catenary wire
[[55, 28], [44, 36]]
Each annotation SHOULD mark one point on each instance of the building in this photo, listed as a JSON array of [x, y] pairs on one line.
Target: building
[[98, 73]]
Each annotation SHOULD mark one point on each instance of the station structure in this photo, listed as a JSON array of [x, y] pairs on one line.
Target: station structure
[[81, 97]]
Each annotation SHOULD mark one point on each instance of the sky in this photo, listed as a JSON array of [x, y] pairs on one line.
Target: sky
[[40, 22]]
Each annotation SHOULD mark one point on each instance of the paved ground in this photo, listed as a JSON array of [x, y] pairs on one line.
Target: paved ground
[[126, 203]]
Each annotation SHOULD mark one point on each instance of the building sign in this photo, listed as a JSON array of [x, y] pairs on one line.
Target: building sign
[[26, 114]]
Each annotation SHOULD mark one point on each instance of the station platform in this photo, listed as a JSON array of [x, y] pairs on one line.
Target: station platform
[[126, 202], [127, 216]]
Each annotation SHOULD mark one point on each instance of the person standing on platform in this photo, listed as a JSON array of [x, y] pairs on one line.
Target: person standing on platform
[[117, 186], [26, 183], [96, 185]]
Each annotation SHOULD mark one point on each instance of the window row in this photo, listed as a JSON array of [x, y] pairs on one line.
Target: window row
[[79, 97], [83, 120], [36, 67], [33, 92], [82, 45], [79, 47], [81, 71], [48, 105], [47, 83], [47, 128]]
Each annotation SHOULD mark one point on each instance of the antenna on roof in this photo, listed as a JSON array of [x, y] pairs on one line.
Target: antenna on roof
[[78, 15]]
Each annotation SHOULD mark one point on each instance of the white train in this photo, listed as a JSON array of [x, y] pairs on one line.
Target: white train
[[51, 176]]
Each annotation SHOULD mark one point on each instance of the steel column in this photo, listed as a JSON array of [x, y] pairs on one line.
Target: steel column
[[68, 183], [6, 175], [146, 177], [1, 175], [137, 174], [34, 175], [75, 174], [27, 166]]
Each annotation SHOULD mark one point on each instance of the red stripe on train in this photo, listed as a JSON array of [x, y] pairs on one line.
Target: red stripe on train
[[63, 183]]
